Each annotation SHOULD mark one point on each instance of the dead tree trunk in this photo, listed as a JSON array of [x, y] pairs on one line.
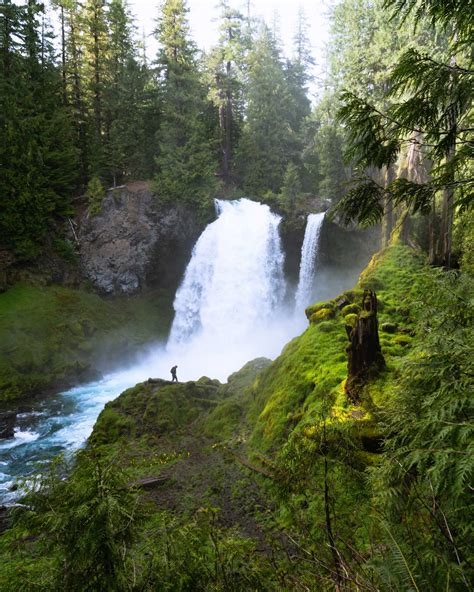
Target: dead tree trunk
[[364, 352]]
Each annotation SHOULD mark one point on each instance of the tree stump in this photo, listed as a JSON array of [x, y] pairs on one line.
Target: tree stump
[[364, 352]]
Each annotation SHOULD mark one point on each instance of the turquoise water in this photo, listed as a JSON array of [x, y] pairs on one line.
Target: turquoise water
[[58, 424]]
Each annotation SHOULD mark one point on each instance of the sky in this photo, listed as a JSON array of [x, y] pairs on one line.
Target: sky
[[203, 13]]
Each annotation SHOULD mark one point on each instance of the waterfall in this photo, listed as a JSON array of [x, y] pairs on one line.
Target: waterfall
[[309, 258], [234, 282]]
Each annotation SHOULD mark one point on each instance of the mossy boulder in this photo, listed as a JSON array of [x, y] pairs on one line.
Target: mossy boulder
[[350, 309], [322, 315], [350, 296], [402, 340], [317, 306], [389, 327]]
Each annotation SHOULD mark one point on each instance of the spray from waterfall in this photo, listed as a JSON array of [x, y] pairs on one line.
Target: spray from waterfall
[[309, 260]]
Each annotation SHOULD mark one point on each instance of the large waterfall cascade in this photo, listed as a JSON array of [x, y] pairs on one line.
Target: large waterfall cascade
[[309, 260], [234, 281]]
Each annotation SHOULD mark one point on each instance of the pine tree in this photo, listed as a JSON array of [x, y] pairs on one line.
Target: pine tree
[[226, 65], [94, 75], [37, 156], [268, 142], [124, 122], [185, 161], [298, 74]]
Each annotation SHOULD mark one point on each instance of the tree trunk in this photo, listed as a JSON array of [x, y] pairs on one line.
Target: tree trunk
[[447, 212], [79, 115], [388, 219], [63, 57], [228, 124], [364, 351], [433, 251]]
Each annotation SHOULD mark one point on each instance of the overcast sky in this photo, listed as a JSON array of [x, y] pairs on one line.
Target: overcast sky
[[203, 13]]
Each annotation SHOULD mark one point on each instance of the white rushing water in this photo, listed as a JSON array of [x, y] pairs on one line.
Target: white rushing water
[[309, 259], [234, 282], [229, 310]]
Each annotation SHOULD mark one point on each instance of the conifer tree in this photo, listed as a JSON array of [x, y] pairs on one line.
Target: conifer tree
[[298, 74], [185, 160], [226, 65], [124, 123], [37, 157], [94, 73], [267, 142], [431, 100]]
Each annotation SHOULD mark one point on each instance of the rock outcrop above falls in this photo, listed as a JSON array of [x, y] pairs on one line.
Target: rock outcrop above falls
[[136, 242]]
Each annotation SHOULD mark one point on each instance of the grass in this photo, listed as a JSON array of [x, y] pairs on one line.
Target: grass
[[53, 335]]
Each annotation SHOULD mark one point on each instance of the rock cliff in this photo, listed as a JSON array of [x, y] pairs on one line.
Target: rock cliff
[[136, 242]]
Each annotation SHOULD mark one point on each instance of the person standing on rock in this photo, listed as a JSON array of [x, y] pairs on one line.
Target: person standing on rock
[[173, 374]]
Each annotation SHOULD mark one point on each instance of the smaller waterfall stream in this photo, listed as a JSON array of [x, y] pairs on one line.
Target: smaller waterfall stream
[[309, 259]]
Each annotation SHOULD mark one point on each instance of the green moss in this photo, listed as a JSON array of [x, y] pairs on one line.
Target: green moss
[[350, 309], [402, 339], [351, 320], [321, 315], [314, 308], [287, 417], [51, 335]]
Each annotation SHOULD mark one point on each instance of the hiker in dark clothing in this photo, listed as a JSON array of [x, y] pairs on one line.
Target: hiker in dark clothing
[[173, 374]]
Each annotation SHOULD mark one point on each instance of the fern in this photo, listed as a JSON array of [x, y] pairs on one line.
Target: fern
[[424, 483]]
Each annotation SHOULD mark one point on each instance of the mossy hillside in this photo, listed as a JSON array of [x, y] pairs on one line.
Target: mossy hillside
[[53, 336], [307, 379], [170, 418], [224, 468], [306, 430]]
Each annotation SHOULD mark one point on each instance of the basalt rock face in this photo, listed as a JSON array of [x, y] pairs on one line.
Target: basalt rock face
[[135, 242]]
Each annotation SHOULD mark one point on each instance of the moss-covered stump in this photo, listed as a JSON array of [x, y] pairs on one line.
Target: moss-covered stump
[[364, 352]]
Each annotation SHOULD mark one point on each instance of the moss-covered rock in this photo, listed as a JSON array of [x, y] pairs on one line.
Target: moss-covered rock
[[351, 320], [317, 306], [389, 327], [322, 315], [350, 309]]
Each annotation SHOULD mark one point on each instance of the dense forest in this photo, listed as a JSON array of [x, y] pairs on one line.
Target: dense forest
[[89, 109], [308, 473]]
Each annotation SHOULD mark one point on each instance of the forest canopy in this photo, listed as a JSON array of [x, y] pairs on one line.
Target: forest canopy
[[85, 107]]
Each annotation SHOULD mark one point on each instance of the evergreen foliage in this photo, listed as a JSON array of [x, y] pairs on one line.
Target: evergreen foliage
[[37, 155], [431, 108], [266, 145], [429, 464], [185, 160]]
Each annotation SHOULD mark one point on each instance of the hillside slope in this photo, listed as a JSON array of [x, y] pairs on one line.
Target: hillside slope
[[276, 480]]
